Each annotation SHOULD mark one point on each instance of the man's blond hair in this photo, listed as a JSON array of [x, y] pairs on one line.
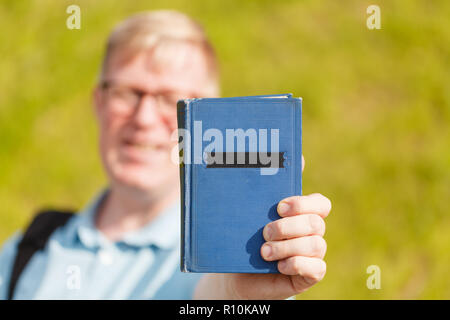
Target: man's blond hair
[[159, 31]]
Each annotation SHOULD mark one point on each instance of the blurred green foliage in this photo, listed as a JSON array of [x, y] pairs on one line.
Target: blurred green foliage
[[376, 120]]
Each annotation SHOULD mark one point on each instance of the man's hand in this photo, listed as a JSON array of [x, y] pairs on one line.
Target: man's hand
[[295, 241]]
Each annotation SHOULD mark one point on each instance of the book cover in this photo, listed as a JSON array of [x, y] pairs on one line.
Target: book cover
[[239, 157]]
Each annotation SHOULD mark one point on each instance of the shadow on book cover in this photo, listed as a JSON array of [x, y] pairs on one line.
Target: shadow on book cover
[[239, 157]]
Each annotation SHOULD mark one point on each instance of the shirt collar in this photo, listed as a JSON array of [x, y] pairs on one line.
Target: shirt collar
[[163, 231]]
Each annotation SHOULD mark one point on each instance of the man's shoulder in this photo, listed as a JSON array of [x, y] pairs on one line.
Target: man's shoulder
[[9, 247], [45, 222], [8, 253]]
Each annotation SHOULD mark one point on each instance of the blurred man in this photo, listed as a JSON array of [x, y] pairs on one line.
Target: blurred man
[[125, 244]]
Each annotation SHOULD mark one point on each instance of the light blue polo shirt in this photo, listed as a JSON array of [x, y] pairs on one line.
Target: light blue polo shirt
[[80, 263]]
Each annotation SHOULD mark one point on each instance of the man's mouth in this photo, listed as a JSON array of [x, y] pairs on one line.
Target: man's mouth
[[143, 152], [143, 146]]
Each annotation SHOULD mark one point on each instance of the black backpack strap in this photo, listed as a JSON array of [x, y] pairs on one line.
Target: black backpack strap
[[35, 239]]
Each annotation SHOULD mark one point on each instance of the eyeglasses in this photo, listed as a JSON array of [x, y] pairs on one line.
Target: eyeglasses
[[124, 100]]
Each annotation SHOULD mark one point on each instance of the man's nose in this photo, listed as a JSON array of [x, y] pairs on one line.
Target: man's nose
[[146, 112]]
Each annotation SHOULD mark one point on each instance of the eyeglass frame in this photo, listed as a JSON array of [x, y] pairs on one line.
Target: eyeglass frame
[[139, 93]]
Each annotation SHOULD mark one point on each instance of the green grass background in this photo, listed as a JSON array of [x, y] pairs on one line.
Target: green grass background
[[376, 115]]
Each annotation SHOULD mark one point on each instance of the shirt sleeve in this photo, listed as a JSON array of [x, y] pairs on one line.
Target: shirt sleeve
[[7, 255]]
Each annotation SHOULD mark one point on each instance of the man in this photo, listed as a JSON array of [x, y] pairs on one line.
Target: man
[[125, 244]]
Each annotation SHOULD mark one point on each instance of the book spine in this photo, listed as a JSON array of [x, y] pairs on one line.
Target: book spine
[[298, 145], [185, 185]]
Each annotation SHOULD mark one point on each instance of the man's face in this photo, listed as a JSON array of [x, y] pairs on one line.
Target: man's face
[[136, 109]]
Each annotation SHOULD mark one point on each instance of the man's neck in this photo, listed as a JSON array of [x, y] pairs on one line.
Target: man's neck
[[123, 210]]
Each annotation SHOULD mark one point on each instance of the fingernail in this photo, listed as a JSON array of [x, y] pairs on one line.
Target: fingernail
[[283, 207], [266, 251], [268, 232]]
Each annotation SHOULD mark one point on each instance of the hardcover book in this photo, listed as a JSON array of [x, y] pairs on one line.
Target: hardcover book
[[239, 157]]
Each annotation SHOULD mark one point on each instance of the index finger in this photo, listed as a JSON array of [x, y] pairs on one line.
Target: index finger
[[313, 204]]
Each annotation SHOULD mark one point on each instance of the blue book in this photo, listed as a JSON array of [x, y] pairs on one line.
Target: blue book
[[239, 157]]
